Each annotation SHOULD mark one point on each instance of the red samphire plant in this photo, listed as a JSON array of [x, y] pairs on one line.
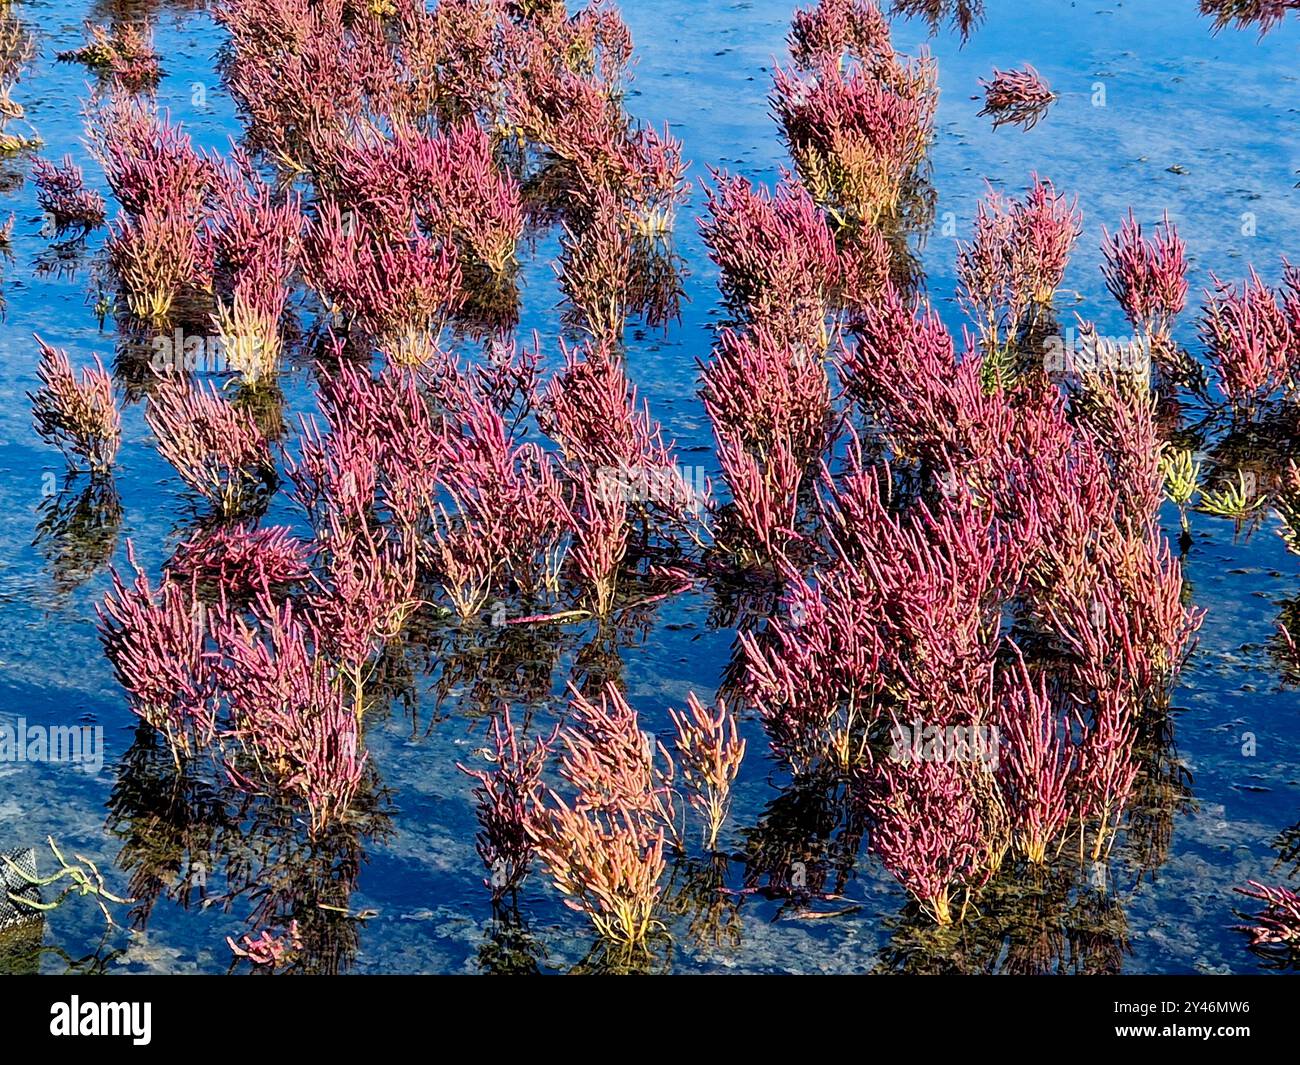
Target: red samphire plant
[[77, 415]]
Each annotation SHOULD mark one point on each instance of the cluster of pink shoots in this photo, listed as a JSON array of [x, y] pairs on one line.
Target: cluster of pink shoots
[[779, 266], [268, 949], [605, 846], [61, 191], [251, 683], [417, 132], [906, 622], [286, 708], [963, 15], [765, 386], [408, 476], [401, 294], [1275, 930], [1266, 14], [17, 48], [406, 222], [123, 53], [256, 645], [154, 639], [216, 447], [252, 239], [1011, 269], [241, 560], [1147, 276], [596, 269], [563, 80], [307, 77], [77, 414], [836, 27], [511, 521], [1028, 513], [709, 753], [199, 237], [1250, 332], [856, 117], [508, 798], [1016, 97], [770, 404], [156, 248]]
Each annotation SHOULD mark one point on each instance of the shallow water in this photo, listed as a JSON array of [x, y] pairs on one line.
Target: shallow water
[[1155, 113]]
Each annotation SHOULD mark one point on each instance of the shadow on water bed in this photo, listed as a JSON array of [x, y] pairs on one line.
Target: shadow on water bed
[[351, 846]]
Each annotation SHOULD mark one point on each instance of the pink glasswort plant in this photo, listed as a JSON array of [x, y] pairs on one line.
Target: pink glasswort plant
[[243, 561], [834, 27], [929, 833], [469, 198], [287, 710], [599, 544], [622, 474], [1276, 928], [605, 852], [770, 405], [1038, 768], [268, 949], [508, 801], [764, 496], [61, 191], [400, 292], [1250, 341], [709, 753], [1266, 14], [592, 411], [384, 448], [857, 126], [76, 414], [777, 257], [370, 592], [507, 519], [608, 867], [156, 248], [450, 183], [1032, 503], [595, 270], [1147, 276], [383, 444], [215, 447], [771, 394], [253, 244], [1012, 268], [155, 640], [123, 53], [1016, 97], [200, 674], [157, 256], [147, 159], [612, 764]]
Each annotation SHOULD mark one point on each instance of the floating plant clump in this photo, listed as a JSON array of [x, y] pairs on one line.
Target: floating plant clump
[[1016, 97], [526, 534], [123, 54], [1266, 14]]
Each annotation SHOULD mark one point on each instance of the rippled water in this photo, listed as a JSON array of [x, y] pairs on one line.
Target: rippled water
[[1155, 113]]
